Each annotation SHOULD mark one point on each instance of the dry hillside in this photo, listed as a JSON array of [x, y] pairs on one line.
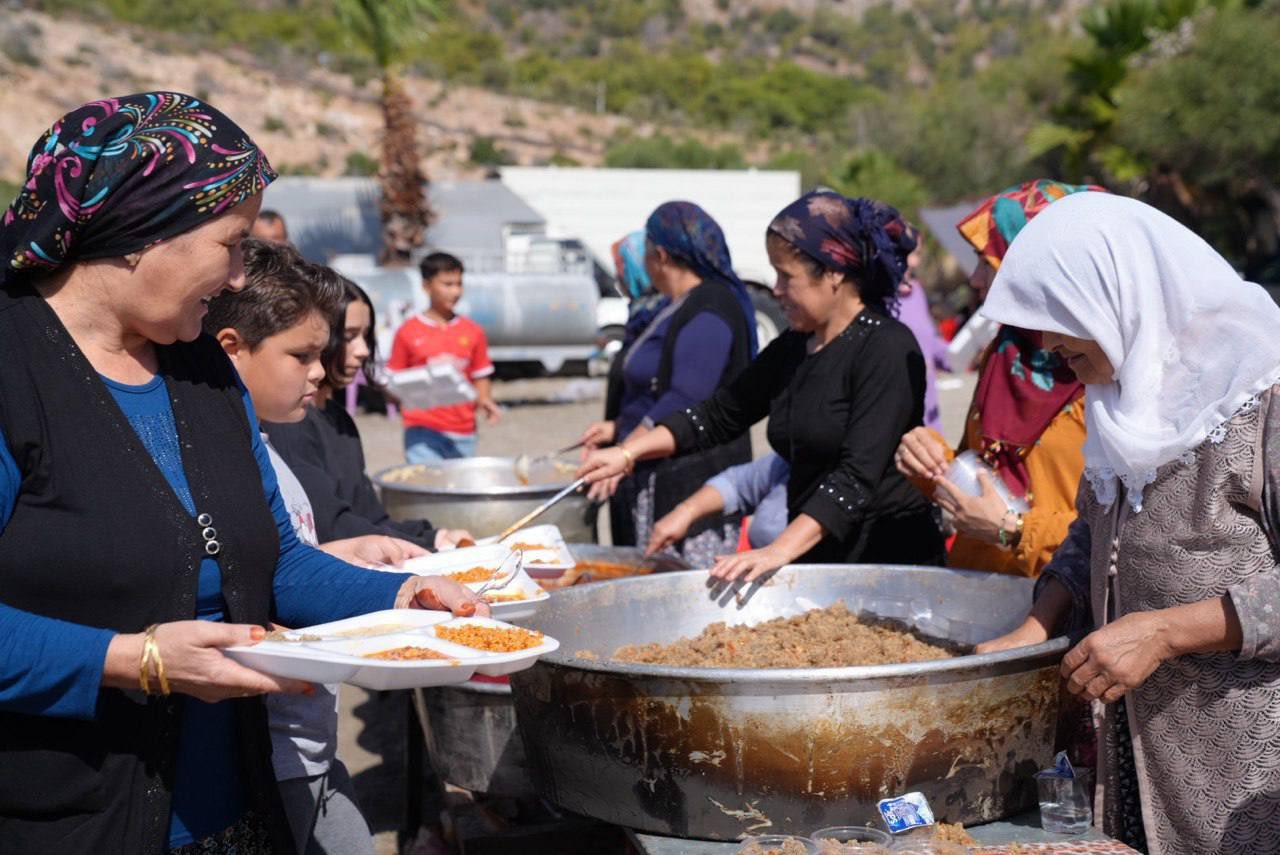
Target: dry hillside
[[311, 122]]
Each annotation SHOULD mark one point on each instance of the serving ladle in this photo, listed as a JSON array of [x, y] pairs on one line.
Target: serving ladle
[[525, 462]]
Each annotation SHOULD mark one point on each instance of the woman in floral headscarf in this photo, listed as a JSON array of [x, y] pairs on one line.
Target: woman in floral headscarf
[[697, 338], [141, 526], [839, 389], [1026, 420]]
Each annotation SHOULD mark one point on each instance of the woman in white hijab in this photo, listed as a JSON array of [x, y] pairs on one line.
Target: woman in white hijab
[[1170, 561]]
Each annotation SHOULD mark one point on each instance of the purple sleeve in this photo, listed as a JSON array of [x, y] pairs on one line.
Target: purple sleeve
[[698, 362], [913, 310]]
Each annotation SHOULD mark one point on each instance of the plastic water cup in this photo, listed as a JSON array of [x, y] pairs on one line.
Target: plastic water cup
[[963, 472], [765, 842], [1066, 804], [929, 847], [852, 839]]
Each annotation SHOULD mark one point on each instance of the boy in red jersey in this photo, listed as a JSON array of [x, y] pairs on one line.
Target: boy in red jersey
[[441, 335]]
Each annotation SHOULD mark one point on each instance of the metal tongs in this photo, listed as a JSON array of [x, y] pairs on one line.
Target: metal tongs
[[500, 578]]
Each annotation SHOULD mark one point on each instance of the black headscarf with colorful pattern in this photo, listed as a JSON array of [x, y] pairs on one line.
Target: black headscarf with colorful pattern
[[863, 238], [118, 175]]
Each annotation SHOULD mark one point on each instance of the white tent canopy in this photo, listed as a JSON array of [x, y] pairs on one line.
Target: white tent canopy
[[599, 206]]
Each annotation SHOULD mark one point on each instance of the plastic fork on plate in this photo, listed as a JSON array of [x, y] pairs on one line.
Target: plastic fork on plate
[[501, 579]]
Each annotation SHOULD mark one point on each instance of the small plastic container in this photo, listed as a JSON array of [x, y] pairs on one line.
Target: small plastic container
[[928, 846], [1066, 804], [852, 840], [963, 472], [776, 844]]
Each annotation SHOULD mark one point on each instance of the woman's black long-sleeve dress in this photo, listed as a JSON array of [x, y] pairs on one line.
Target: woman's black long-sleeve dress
[[836, 416]]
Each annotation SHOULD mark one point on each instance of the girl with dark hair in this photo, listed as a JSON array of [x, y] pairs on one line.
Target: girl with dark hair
[[839, 389], [324, 449]]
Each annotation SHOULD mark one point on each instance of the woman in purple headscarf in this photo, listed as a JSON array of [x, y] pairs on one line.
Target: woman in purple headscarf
[[141, 525], [839, 388], [700, 338]]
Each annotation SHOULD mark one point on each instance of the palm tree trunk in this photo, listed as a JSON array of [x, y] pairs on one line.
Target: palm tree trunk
[[404, 209]]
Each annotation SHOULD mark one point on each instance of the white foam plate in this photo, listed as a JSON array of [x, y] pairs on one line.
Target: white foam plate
[[342, 660], [491, 557], [500, 664], [545, 548]]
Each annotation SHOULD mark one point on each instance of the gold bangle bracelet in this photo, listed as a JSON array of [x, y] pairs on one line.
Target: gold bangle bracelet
[[164, 680], [144, 663], [630, 458], [150, 657]]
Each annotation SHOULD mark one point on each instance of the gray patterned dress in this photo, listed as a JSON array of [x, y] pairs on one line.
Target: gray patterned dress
[[1205, 728]]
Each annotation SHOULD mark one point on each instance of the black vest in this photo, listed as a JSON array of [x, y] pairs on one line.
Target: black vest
[[98, 537], [678, 478]]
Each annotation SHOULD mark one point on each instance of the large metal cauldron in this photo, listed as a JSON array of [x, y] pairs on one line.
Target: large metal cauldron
[[716, 753], [483, 495]]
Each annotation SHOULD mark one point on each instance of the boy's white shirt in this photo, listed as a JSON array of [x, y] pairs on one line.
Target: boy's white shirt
[[304, 730]]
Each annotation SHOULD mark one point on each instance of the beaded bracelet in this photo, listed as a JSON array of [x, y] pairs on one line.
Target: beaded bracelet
[[1008, 539]]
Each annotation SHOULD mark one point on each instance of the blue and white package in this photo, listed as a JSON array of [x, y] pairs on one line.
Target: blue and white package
[[903, 813], [1062, 768]]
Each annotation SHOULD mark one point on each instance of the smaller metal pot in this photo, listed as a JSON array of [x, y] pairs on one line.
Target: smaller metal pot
[[484, 496]]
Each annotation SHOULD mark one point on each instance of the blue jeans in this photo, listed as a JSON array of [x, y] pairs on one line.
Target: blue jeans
[[424, 445]]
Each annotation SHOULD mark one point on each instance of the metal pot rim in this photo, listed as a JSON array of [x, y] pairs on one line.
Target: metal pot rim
[[534, 490], [1048, 651]]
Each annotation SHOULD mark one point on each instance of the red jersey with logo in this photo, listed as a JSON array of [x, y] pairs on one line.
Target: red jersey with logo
[[422, 341]]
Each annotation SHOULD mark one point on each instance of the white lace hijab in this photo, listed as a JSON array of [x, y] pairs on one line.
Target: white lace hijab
[[1190, 341]]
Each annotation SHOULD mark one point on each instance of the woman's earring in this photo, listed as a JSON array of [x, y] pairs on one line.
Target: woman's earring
[[133, 258]]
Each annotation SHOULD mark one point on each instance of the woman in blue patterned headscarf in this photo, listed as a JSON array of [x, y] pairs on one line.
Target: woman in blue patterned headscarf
[[700, 339], [141, 525], [695, 241]]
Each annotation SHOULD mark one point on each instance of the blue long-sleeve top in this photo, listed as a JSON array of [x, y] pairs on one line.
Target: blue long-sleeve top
[[758, 488], [702, 350], [54, 668]]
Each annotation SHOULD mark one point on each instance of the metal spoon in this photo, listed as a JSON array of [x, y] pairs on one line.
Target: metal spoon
[[524, 462]]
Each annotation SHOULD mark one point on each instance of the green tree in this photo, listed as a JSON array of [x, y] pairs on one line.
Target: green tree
[[385, 28], [663, 152], [1206, 118], [872, 173], [1080, 135]]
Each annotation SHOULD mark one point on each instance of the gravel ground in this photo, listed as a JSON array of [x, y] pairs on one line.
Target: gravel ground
[[541, 415]]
